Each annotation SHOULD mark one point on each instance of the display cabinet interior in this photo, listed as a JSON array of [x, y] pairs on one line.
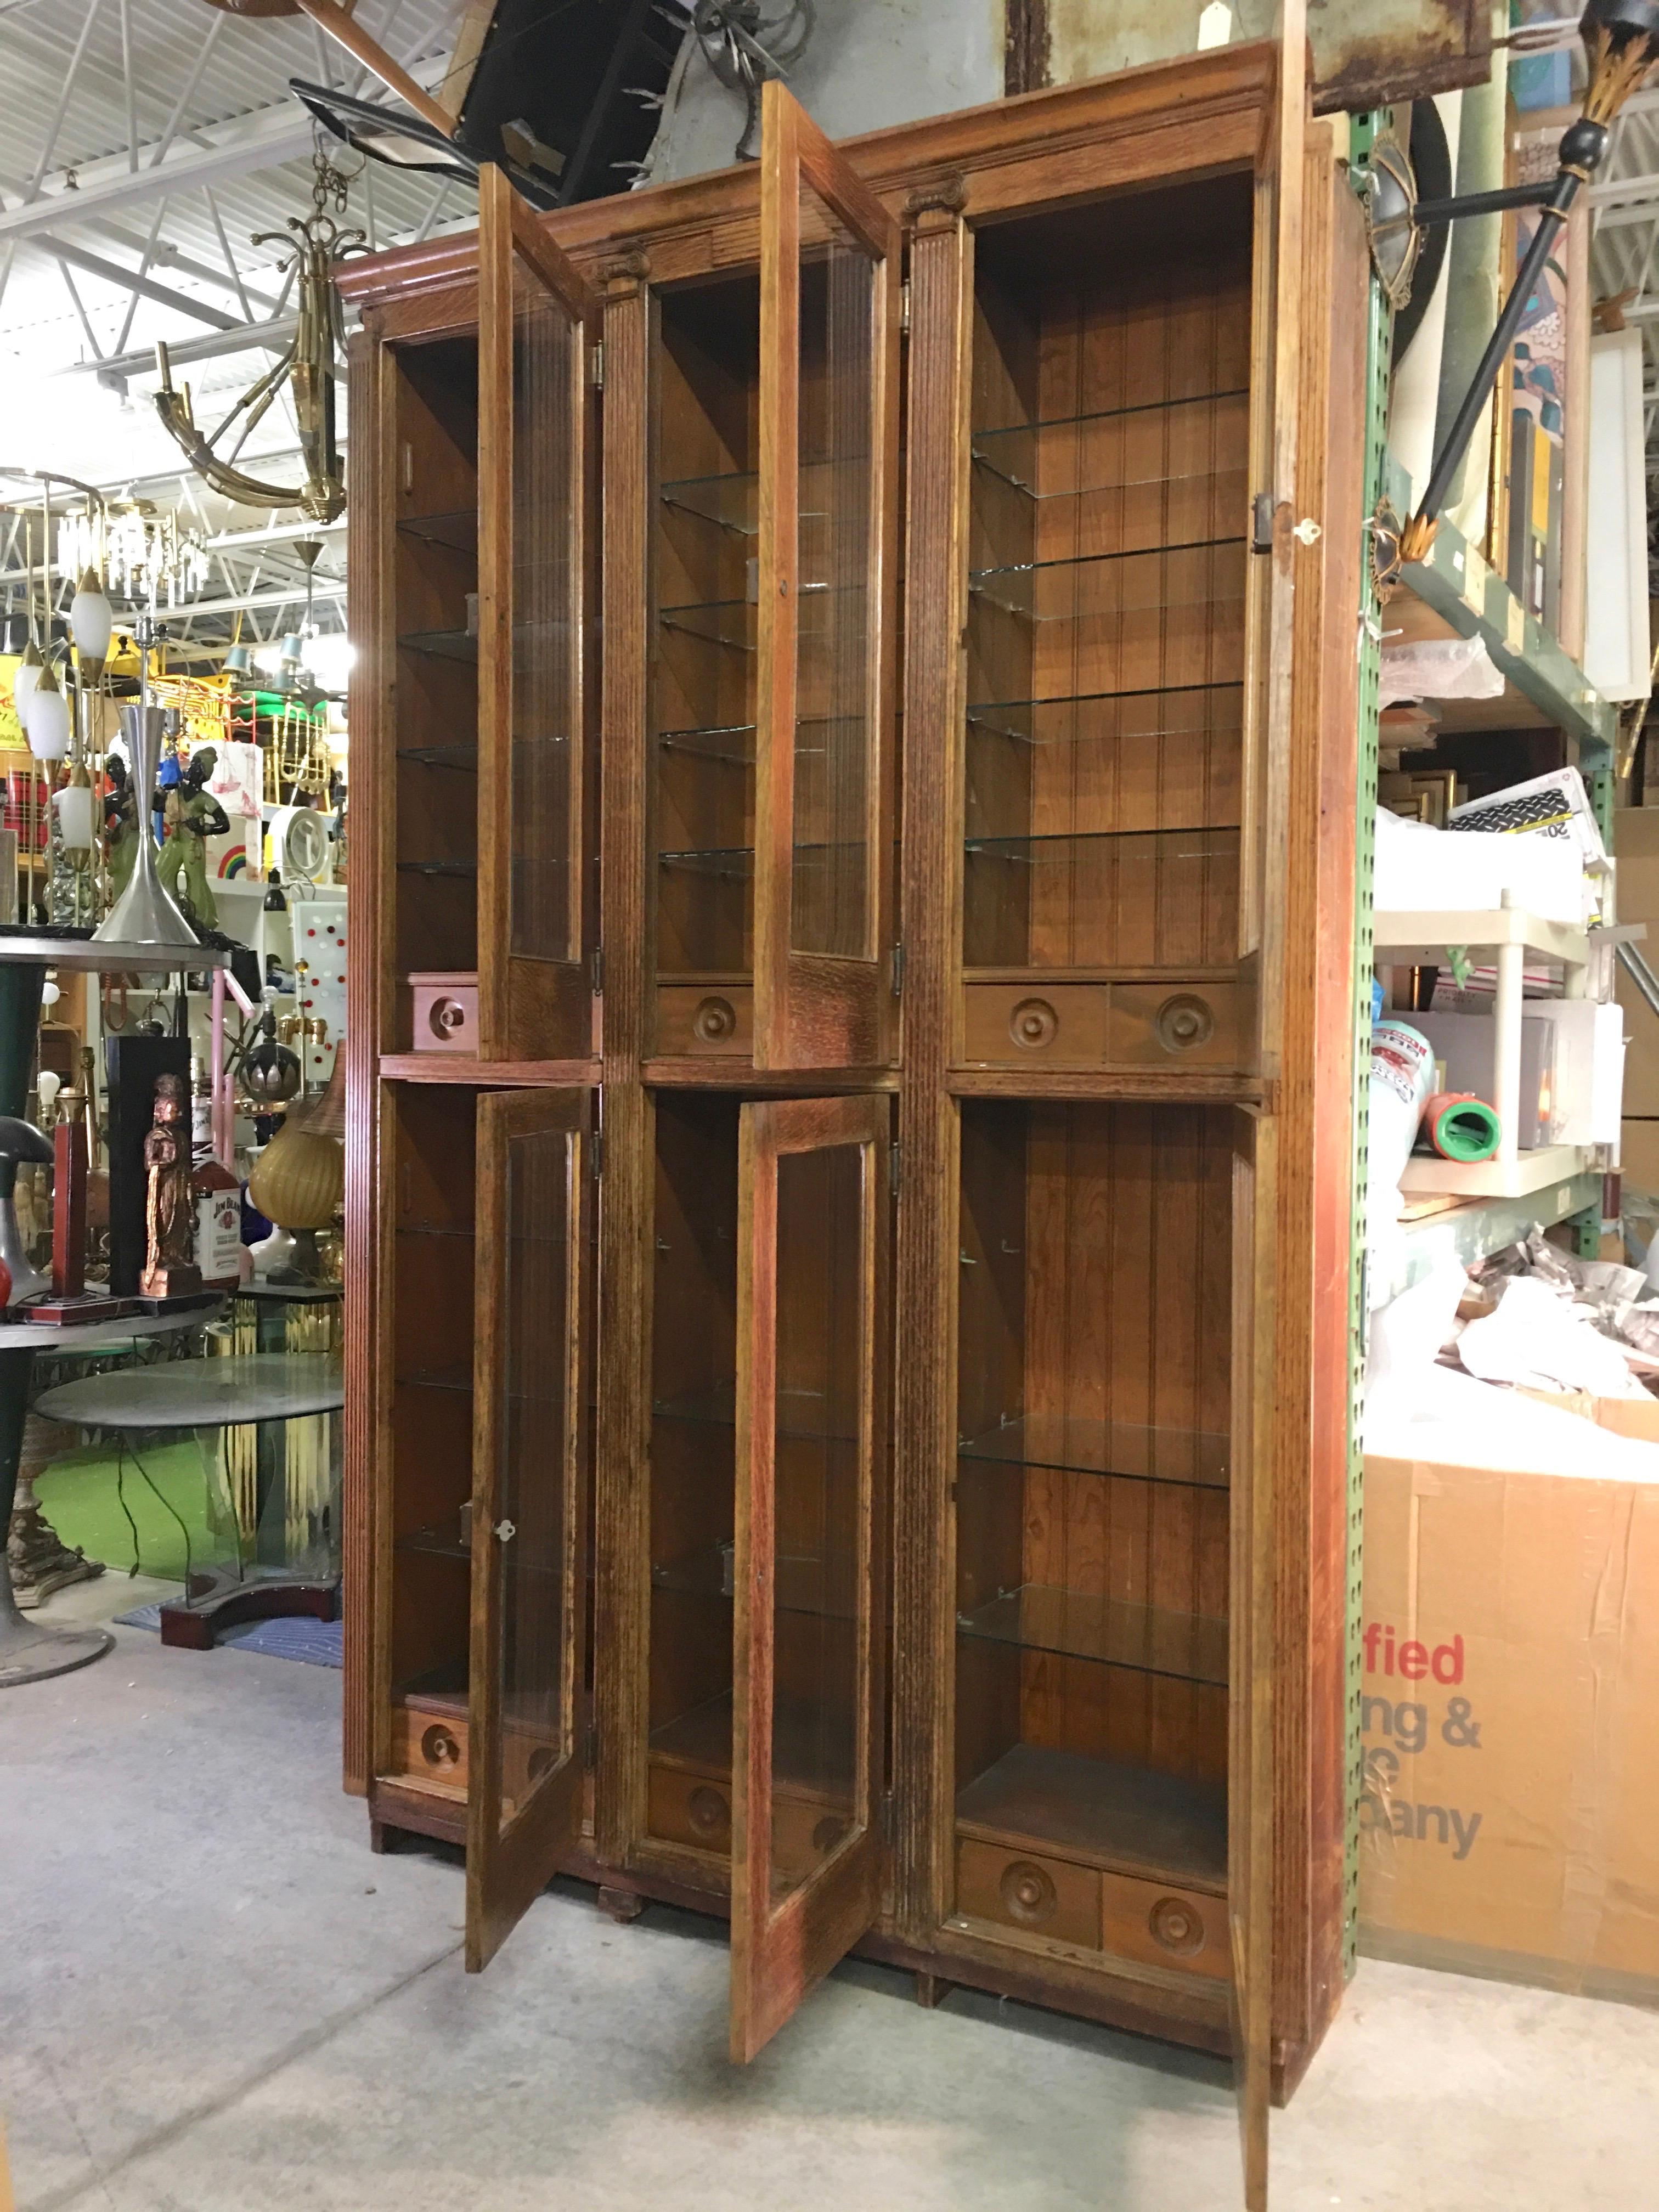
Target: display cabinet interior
[[428, 1476], [704, 528], [1108, 512], [820, 1569], [1092, 1516], [433, 616]]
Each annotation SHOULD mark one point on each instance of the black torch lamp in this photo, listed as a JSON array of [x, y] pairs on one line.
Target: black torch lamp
[[1621, 42]]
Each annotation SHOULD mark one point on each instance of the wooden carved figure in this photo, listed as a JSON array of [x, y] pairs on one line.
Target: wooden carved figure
[[170, 1269]]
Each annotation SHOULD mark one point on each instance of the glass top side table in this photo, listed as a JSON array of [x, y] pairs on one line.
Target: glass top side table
[[272, 1521]]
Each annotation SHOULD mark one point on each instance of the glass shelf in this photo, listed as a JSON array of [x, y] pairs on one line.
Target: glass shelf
[[730, 497], [1103, 587], [814, 1583], [1191, 1647], [734, 862], [442, 644], [463, 756], [458, 530], [727, 499], [441, 1541], [466, 870], [1214, 842], [1102, 453], [1113, 413], [738, 861], [730, 743], [718, 621], [1078, 717], [457, 1376], [1080, 1445], [800, 1412], [435, 1229]]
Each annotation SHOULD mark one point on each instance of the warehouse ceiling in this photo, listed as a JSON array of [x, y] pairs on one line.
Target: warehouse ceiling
[[146, 140]]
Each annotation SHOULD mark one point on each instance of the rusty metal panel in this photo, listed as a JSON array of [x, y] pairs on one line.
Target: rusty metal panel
[[1370, 51], [1365, 51]]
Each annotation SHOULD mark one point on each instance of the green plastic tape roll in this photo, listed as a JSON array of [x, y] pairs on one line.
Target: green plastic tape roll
[[1462, 1130]]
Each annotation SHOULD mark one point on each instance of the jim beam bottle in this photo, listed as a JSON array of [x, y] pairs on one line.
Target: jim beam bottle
[[218, 1195]]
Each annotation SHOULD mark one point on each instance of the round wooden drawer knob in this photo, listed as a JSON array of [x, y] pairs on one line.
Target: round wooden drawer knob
[[1184, 1022], [1176, 1926], [1033, 1023], [707, 1811], [439, 1748], [447, 1016], [714, 1020], [1028, 1892]]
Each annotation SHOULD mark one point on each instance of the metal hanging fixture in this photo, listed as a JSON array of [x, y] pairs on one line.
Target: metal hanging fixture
[[746, 41], [308, 370]]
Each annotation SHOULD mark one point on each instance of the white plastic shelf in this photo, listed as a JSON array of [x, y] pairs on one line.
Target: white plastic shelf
[[1498, 1178], [1421, 939]]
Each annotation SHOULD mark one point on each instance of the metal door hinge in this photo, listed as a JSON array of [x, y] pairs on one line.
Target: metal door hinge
[[596, 969], [898, 970], [904, 308], [1261, 531], [596, 367], [894, 1169], [598, 1142]]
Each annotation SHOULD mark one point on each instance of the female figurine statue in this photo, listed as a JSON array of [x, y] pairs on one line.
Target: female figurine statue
[[170, 1269]]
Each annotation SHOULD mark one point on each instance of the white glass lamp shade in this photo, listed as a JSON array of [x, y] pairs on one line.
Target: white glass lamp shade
[[46, 719], [92, 619], [74, 804], [25, 676]]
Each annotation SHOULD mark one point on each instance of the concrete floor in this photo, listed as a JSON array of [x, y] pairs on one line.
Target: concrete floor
[[214, 1999]]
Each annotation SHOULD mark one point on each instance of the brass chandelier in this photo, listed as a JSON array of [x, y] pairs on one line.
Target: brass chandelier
[[307, 369]]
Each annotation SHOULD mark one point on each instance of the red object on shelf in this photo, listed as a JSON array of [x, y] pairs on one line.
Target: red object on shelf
[[14, 813]]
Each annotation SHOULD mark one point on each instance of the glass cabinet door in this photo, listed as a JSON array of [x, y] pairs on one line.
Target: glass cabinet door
[[534, 996], [1270, 710], [811, 1487], [829, 323], [529, 1492]]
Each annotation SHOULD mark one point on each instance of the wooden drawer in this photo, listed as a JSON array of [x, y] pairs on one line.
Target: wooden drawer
[[1014, 1025], [686, 1807], [1138, 1025], [715, 1022], [1039, 1896], [804, 1832], [1158, 1926], [446, 1012], [689, 1808], [429, 1744], [1171, 1025]]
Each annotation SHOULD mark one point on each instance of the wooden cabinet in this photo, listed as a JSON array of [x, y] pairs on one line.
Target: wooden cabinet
[[846, 1242]]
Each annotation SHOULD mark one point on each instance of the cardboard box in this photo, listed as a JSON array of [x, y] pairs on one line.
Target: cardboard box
[[1622, 1417], [1509, 1821]]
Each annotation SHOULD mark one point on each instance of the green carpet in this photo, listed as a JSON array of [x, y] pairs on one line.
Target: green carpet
[[78, 1495]]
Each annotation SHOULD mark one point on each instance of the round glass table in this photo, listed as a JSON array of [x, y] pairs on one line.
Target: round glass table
[[30, 1650], [269, 1538]]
